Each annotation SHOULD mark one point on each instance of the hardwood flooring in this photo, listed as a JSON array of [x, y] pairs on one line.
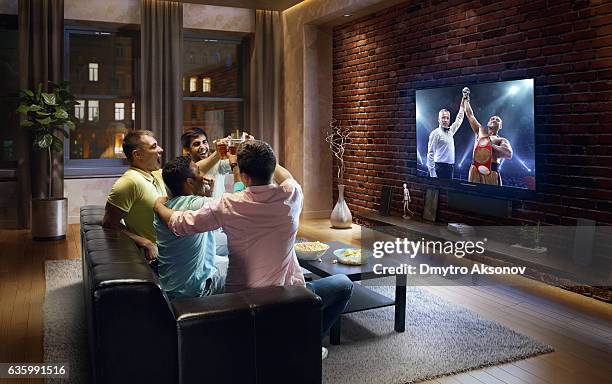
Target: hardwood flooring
[[579, 328], [22, 293]]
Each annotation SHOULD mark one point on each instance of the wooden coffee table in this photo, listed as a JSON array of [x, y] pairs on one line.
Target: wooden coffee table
[[362, 298]]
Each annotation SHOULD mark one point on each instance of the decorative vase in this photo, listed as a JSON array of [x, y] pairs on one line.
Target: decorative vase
[[341, 215]]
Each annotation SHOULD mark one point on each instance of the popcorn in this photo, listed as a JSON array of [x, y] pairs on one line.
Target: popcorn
[[313, 246]]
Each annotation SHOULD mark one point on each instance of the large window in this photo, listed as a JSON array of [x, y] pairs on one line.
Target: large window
[[100, 65], [213, 99], [9, 90]]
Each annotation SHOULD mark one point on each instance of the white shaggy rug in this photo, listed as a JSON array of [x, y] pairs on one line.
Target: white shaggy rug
[[440, 339]]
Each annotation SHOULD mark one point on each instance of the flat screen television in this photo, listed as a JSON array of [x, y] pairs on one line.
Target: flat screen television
[[478, 153]]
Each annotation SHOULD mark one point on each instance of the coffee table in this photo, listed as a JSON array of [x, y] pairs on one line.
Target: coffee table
[[362, 299]]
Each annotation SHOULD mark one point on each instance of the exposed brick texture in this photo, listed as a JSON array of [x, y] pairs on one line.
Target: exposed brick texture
[[566, 46]]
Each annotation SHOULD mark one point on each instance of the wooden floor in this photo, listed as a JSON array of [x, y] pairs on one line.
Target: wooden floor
[[22, 292], [579, 328]]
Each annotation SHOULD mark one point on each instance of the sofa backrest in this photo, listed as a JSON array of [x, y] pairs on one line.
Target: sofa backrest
[[132, 328], [263, 335]]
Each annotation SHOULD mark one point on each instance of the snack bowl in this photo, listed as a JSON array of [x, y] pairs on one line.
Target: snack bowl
[[310, 250], [351, 256]]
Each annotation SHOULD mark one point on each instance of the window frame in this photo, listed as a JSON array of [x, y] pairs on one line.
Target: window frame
[[8, 168], [92, 168], [93, 72], [242, 43], [120, 110]]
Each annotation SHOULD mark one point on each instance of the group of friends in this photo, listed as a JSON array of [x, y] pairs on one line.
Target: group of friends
[[489, 148], [185, 221]]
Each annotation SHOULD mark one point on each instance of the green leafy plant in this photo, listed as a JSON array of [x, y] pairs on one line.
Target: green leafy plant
[[50, 117]]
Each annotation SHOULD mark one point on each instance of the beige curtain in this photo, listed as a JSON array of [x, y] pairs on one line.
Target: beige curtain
[[265, 80], [161, 51], [41, 40]]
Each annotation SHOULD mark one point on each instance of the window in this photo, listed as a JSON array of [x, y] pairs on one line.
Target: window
[[79, 110], [9, 90], [93, 110], [206, 85], [119, 111], [109, 56], [93, 71], [219, 109]]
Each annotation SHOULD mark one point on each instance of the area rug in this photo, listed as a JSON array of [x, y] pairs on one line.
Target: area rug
[[64, 320], [440, 338]]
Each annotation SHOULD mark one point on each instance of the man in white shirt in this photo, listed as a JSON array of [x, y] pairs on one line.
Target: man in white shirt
[[441, 146], [195, 143]]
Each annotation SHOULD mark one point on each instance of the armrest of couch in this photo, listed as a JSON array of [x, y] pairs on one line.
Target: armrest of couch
[[263, 335]]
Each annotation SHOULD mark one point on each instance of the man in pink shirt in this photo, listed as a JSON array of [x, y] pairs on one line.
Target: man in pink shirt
[[261, 223]]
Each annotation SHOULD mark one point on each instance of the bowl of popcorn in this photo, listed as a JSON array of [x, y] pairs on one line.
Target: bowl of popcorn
[[311, 250], [351, 256]]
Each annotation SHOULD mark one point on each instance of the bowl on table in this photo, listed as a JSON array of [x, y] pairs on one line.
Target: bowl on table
[[351, 256], [311, 250]]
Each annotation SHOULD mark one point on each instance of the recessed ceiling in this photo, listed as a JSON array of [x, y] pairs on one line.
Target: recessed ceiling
[[275, 5], [356, 10]]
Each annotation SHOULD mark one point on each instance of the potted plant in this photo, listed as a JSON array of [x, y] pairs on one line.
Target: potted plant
[[50, 117]]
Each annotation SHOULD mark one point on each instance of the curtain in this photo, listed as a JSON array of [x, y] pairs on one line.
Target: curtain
[[161, 51], [41, 39], [265, 80]]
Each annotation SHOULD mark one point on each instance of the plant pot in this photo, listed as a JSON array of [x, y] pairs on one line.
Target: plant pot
[[49, 218], [341, 215]]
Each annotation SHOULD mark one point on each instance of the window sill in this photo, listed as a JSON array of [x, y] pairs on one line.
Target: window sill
[[94, 173]]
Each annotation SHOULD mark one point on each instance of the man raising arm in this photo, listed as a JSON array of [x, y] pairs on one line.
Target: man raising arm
[[188, 265], [441, 145], [261, 223]]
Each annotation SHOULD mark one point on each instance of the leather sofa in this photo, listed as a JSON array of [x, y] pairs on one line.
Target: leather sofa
[[137, 335]]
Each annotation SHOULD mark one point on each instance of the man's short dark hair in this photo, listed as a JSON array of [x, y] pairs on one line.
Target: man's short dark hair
[[175, 173], [132, 142], [257, 160], [191, 134]]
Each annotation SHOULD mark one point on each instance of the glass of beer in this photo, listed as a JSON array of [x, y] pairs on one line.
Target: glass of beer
[[222, 148], [233, 149], [233, 145]]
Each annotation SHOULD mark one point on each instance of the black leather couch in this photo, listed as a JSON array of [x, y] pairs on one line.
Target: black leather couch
[[136, 335]]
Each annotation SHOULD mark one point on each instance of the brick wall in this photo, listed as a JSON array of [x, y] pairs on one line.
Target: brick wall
[[566, 46]]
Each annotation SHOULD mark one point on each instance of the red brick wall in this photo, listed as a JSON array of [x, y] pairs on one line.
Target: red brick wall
[[566, 46]]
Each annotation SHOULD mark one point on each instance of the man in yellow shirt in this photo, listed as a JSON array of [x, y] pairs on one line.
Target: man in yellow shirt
[[133, 195]]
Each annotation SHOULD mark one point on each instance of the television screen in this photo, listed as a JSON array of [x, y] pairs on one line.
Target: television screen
[[486, 139]]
